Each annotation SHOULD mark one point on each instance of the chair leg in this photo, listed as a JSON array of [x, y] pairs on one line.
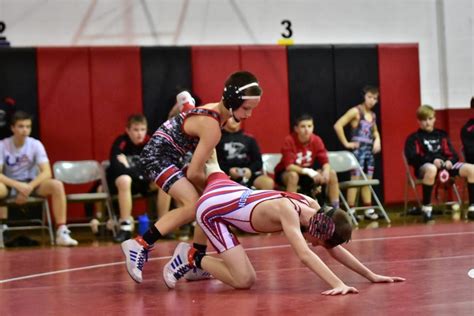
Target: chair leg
[[458, 196], [405, 198], [108, 205], [346, 205], [379, 204], [48, 219], [2, 243]]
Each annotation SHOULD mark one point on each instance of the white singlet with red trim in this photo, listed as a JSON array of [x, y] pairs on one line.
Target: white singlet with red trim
[[225, 202]]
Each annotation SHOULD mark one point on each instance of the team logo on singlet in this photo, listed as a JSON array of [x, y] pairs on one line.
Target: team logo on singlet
[[244, 197]]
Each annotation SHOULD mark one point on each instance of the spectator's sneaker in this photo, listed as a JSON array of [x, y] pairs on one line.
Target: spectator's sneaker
[[470, 212], [136, 254], [178, 265], [125, 232], [122, 235], [63, 237], [427, 211], [185, 101], [94, 224], [371, 214], [196, 274]]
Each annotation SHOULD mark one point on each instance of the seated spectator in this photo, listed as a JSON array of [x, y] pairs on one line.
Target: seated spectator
[[467, 138], [429, 151], [301, 150], [239, 157], [20, 158], [124, 176]]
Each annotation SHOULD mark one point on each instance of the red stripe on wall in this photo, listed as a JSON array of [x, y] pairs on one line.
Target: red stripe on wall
[[270, 121], [400, 97], [211, 65], [64, 103], [64, 109], [116, 90]]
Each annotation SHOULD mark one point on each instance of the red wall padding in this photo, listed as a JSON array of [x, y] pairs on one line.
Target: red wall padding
[[452, 120], [116, 93], [85, 96], [400, 97], [211, 65], [270, 121], [64, 103]]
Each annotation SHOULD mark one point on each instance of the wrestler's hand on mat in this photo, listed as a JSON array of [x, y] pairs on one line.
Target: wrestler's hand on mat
[[377, 278], [343, 290]]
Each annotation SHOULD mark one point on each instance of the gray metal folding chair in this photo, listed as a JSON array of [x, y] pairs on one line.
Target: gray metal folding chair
[[343, 161], [410, 182], [269, 162], [83, 172], [43, 223]]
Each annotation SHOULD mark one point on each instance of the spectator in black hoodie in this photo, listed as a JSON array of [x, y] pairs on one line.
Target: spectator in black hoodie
[[428, 151]]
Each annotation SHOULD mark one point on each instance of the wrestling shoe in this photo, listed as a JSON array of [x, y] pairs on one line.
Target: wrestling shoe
[[178, 265], [136, 254], [196, 274], [185, 101]]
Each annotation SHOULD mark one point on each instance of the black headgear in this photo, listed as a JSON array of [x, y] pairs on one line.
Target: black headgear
[[234, 96]]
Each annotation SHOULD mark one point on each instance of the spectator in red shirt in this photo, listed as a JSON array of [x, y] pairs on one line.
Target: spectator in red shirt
[[303, 152]]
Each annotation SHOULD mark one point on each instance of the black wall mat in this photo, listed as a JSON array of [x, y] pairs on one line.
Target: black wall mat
[[311, 80], [165, 70], [18, 81], [355, 67]]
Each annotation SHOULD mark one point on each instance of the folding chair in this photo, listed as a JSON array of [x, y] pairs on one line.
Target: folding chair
[[269, 162], [343, 161], [83, 172], [150, 194], [44, 222], [412, 182]]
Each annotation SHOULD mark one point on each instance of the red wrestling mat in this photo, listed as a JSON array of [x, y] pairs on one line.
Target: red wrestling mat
[[434, 259]]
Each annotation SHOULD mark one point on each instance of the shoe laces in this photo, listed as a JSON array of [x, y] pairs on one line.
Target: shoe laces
[[181, 271], [142, 258]]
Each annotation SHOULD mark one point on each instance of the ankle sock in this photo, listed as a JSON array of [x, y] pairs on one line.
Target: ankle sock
[[200, 247], [152, 235]]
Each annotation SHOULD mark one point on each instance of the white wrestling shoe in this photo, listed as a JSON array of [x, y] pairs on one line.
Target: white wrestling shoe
[[136, 254], [178, 265], [196, 274]]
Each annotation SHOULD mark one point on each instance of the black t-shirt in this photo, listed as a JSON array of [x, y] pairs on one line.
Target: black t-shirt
[[239, 150]]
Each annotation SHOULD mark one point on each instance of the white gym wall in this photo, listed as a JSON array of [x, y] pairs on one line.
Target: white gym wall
[[442, 28]]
